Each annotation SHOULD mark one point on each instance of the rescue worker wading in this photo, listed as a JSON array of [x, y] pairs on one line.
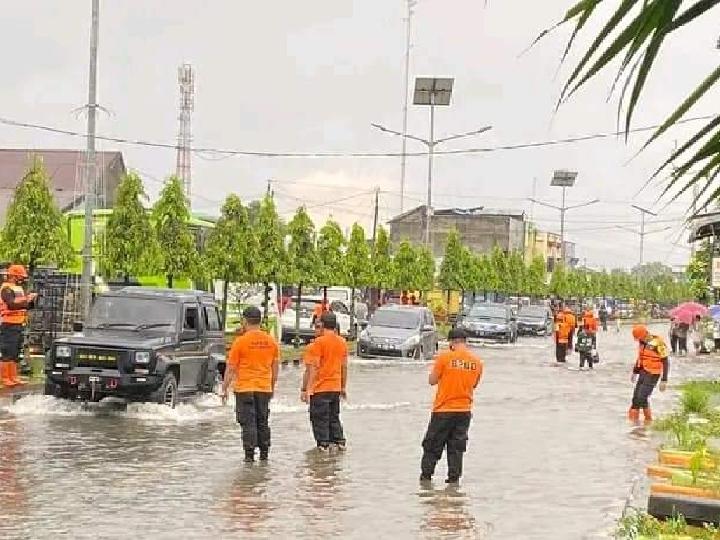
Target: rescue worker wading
[[13, 309], [324, 383], [652, 365], [590, 324], [253, 369], [456, 373], [562, 337]]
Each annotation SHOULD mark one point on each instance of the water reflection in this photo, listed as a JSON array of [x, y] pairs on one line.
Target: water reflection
[[13, 501], [248, 505], [321, 491], [446, 514]]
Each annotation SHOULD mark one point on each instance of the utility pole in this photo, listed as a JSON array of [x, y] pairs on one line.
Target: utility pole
[[563, 209], [90, 166], [642, 211], [408, 33], [375, 217], [431, 151]]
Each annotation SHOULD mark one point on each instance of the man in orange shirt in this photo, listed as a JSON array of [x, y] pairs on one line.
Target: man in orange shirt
[[324, 383], [456, 373], [562, 337], [252, 368]]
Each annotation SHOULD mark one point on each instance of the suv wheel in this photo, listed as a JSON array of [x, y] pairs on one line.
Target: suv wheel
[[168, 391]]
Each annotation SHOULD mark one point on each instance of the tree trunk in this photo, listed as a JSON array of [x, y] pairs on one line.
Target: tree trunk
[[474, 296], [266, 304], [296, 341], [170, 281], [126, 279], [224, 304], [352, 333]]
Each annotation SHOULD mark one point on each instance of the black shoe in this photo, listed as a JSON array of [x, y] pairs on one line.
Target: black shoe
[[452, 480], [340, 446], [249, 456], [425, 478], [323, 448], [263, 455]]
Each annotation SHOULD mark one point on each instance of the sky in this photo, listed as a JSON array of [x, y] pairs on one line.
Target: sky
[[283, 76]]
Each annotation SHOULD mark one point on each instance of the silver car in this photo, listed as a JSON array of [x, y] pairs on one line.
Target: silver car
[[400, 332]]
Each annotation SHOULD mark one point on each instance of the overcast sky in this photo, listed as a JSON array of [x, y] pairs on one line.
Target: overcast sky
[[286, 76]]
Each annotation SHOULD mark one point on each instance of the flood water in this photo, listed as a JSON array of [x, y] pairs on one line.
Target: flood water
[[550, 456]]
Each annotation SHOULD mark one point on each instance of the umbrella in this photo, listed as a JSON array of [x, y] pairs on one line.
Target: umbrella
[[715, 312], [687, 312]]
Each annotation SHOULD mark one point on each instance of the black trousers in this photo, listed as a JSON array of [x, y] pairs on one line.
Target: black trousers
[[674, 343], [446, 429], [561, 350], [643, 388], [11, 339], [325, 418], [252, 410], [682, 344], [586, 357]]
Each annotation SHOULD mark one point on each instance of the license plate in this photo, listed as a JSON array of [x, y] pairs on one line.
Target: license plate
[[94, 378]]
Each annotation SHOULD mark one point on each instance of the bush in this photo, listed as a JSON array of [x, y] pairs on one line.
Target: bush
[[694, 399]]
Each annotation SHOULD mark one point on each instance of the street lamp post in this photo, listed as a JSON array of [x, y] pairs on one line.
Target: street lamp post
[[563, 179], [432, 92], [642, 232]]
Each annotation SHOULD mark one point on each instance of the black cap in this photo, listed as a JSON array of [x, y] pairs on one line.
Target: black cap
[[456, 333], [252, 314], [329, 320]]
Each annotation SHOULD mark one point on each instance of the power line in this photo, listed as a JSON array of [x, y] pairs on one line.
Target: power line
[[270, 154]]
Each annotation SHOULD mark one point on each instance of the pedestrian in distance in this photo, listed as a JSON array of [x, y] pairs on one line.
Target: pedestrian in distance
[[571, 323], [585, 346], [698, 334], [673, 335], [325, 383], [652, 365], [252, 369], [590, 324], [456, 373], [682, 331], [562, 337], [14, 305], [603, 315]]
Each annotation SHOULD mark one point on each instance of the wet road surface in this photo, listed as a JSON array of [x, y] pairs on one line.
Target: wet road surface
[[550, 456]]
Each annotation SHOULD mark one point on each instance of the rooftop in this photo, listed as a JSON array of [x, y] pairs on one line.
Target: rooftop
[[463, 212]]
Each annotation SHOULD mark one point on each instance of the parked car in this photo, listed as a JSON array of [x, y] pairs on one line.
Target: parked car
[[399, 331], [307, 307], [490, 321], [140, 344], [534, 321]]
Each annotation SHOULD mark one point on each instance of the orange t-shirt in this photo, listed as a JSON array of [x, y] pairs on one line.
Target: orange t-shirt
[[458, 373], [328, 353], [252, 356]]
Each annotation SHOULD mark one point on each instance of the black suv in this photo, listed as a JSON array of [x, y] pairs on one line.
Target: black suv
[[140, 344]]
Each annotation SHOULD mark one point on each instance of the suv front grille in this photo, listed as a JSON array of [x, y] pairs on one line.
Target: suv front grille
[[99, 357]]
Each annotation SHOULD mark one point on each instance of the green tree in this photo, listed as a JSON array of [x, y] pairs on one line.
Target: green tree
[[536, 276], [130, 248], [356, 266], [516, 273], [34, 230], [487, 277], [171, 215], [453, 263], [302, 259], [381, 261], [559, 285], [330, 256], [270, 259], [231, 248], [499, 262], [425, 269], [633, 34], [405, 266], [698, 271]]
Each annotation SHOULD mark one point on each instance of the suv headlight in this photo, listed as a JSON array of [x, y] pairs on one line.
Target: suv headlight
[[411, 341], [63, 351], [142, 357]]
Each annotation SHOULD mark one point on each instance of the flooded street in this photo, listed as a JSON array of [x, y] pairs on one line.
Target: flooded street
[[550, 456]]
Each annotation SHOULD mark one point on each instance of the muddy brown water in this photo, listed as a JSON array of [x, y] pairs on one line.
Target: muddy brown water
[[550, 456]]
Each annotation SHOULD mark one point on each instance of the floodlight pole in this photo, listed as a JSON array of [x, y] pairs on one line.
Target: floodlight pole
[[642, 211], [431, 150], [562, 226]]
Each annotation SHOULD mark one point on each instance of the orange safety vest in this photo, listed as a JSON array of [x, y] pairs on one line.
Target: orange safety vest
[[590, 322], [562, 329], [13, 316], [650, 356]]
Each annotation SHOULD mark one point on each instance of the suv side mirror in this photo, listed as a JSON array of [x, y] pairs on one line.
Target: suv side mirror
[[188, 335], [77, 326], [428, 328]]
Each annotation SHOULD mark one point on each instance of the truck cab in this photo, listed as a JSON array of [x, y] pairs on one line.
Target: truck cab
[[140, 344]]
